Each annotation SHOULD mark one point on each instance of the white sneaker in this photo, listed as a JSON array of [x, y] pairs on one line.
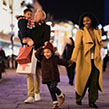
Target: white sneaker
[[29, 100], [37, 97]]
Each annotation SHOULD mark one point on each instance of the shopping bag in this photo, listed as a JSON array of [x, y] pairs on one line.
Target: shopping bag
[[24, 55], [28, 68]]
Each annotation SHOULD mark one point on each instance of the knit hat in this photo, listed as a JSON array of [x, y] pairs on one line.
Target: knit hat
[[49, 46]]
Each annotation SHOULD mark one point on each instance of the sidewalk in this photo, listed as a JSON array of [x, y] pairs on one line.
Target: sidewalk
[[13, 91]]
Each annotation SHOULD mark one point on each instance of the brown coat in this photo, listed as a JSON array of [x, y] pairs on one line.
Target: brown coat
[[82, 56], [49, 67]]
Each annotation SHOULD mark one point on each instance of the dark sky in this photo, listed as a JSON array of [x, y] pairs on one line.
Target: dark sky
[[72, 9]]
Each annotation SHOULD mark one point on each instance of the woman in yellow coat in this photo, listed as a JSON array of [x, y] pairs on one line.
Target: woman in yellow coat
[[87, 56]]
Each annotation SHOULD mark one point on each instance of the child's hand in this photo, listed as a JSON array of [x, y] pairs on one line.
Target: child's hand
[[45, 43], [43, 46]]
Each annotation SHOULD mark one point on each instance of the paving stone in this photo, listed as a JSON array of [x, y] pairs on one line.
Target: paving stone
[[13, 92]]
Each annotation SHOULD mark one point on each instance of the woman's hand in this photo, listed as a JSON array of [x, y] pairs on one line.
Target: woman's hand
[[70, 63]]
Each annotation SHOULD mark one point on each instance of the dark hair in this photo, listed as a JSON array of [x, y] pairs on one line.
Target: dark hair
[[72, 41], [94, 21], [26, 10]]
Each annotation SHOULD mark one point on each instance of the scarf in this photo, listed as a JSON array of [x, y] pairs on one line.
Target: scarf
[[30, 23]]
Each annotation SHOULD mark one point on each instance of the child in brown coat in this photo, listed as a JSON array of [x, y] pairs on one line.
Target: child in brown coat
[[50, 72]]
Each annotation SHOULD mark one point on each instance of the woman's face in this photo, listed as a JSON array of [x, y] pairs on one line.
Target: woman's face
[[87, 22]]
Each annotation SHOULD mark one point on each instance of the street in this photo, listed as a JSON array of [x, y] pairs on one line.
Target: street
[[13, 92]]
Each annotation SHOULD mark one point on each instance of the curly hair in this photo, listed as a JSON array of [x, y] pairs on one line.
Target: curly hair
[[94, 21]]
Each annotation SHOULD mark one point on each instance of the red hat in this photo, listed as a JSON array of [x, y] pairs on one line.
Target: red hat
[[49, 46]]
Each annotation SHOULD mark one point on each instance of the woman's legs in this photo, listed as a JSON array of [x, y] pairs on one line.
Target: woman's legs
[[93, 84]]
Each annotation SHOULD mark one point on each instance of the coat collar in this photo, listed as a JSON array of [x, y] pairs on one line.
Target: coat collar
[[88, 38], [98, 35], [88, 41]]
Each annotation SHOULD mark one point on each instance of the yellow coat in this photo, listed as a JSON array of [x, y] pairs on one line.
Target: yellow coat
[[82, 56]]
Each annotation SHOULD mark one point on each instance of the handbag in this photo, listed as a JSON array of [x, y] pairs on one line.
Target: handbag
[[24, 55], [28, 68]]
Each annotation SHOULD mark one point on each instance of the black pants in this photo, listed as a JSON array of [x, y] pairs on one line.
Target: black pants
[[92, 85], [71, 72], [52, 86]]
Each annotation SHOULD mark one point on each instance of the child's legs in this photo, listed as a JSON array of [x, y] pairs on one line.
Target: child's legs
[[52, 86]]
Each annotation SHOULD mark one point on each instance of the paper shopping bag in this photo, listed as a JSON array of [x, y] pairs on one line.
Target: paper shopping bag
[[28, 68], [24, 55]]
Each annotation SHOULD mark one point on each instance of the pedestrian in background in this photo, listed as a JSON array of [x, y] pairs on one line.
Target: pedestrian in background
[[50, 72], [87, 55], [105, 61], [67, 55], [2, 62]]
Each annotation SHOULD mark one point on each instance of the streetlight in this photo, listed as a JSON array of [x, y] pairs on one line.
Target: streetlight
[[12, 34]]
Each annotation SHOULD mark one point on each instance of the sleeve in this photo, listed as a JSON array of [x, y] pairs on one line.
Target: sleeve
[[64, 53], [22, 25], [38, 53], [61, 61], [4, 56], [78, 43]]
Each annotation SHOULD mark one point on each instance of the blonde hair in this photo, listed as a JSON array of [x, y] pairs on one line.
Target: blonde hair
[[44, 14]]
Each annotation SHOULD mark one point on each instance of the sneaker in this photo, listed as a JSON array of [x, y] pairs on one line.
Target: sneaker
[[61, 98], [37, 97], [29, 100], [55, 105]]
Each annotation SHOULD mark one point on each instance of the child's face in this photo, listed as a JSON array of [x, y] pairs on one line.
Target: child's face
[[47, 53], [28, 14]]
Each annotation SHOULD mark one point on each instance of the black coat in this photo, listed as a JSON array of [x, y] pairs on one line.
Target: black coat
[[49, 66], [40, 34], [23, 30], [2, 61], [68, 51]]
